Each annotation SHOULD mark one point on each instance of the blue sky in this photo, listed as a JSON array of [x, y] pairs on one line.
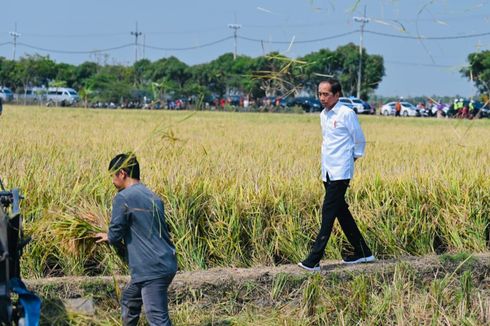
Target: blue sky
[[413, 66]]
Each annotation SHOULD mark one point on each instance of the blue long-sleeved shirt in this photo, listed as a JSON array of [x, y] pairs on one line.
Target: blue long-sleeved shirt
[[138, 221]]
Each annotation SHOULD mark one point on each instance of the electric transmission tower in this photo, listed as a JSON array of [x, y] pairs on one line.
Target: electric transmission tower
[[136, 34], [14, 35], [235, 28], [363, 20]]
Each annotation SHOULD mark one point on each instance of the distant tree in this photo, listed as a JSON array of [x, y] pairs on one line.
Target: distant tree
[[33, 70], [321, 64], [142, 70], [372, 74], [278, 74], [219, 74], [479, 70], [57, 83], [66, 73], [7, 71], [83, 72], [85, 94], [343, 63], [108, 88], [171, 71]]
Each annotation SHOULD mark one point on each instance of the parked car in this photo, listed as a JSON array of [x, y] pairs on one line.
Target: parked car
[[484, 111], [32, 96], [309, 104], [355, 104], [368, 109], [407, 109], [6, 94], [62, 96]]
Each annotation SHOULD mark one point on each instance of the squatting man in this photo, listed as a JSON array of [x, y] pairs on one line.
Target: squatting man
[[138, 225]]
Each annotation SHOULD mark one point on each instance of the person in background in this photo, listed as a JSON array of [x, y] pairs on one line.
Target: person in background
[[398, 108]]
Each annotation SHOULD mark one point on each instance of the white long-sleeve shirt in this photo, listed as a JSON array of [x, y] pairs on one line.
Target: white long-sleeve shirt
[[343, 140]]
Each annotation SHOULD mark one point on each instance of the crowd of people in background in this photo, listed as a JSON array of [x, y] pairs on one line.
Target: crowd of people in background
[[460, 108]]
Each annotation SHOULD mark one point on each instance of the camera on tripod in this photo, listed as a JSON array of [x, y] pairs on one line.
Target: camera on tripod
[[26, 307]]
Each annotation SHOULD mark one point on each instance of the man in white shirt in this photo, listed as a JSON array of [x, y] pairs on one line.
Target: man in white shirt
[[343, 142]]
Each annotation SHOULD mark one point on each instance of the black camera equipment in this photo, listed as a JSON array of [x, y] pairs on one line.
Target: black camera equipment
[[24, 307]]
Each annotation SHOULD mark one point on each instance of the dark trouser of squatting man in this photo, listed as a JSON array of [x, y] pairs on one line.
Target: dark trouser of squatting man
[[153, 294]]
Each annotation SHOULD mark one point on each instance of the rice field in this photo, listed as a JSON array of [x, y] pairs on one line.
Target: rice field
[[241, 189]]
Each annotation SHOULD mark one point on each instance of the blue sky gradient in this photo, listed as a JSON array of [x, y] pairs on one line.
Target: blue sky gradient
[[69, 30]]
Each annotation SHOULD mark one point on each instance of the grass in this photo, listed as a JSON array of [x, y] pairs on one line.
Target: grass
[[241, 189], [428, 292]]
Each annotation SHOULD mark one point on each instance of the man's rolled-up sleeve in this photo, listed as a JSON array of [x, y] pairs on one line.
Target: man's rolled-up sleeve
[[119, 220]]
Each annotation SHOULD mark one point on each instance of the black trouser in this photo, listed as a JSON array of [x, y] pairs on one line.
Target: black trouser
[[153, 295], [334, 205]]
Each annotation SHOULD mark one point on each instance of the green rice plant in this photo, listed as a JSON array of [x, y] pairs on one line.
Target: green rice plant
[[465, 292], [312, 292], [278, 285]]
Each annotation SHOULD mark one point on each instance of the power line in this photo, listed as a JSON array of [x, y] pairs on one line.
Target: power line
[[258, 26], [454, 37], [190, 47], [247, 39], [299, 42], [182, 32], [430, 65], [73, 52], [118, 47], [74, 35]]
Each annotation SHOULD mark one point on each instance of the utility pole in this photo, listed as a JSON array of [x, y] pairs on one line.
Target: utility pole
[[136, 35], [235, 28], [363, 20], [15, 35]]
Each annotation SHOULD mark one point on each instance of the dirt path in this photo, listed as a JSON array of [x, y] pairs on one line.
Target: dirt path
[[223, 277]]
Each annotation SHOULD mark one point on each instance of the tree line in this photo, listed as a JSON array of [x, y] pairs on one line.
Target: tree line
[[273, 74]]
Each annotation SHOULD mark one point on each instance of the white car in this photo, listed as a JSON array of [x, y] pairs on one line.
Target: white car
[[407, 110], [6, 94], [32, 95], [354, 103], [62, 96]]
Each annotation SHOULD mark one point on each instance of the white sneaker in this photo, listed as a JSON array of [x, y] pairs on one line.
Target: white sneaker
[[354, 259], [315, 268]]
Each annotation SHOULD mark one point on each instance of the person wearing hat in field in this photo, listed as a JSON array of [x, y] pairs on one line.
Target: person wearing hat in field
[[343, 143], [138, 223]]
